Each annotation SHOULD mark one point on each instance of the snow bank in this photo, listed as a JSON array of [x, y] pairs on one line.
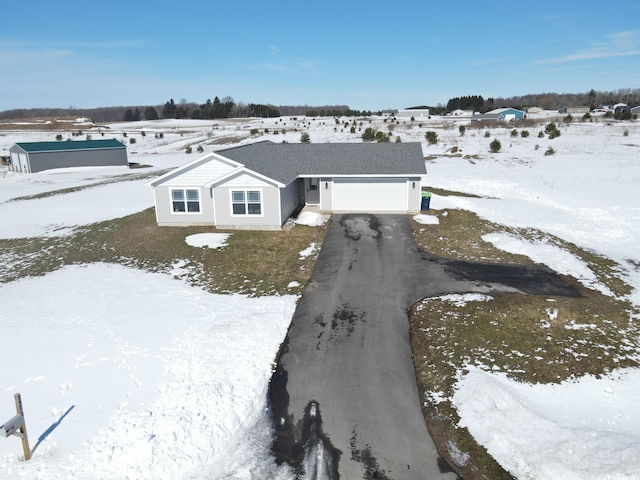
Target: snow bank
[[154, 379], [311, 219], [310, 250], [461, 299], [209, 240], [426, 219], [574, 430]]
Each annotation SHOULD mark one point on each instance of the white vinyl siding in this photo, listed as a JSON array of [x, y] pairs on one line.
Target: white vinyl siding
[[197, 176], [370, 195]]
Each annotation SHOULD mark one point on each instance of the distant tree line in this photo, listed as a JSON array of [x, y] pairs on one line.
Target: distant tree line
[[211, 109], [228, 108], [433, 110], [262, 111], [101, 114], [337, 112], [548, 101], [470, 102], [592, 99]]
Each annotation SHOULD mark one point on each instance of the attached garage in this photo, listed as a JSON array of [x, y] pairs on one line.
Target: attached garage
[[370, 195]]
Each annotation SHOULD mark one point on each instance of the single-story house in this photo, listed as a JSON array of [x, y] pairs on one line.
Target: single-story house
[[31, 157], [501, 115], [260, 185]]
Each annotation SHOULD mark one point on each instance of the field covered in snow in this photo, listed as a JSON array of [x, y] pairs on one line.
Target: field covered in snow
[[131, 374]]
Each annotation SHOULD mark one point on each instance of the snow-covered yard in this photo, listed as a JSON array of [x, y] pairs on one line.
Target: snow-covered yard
[[131, 374]]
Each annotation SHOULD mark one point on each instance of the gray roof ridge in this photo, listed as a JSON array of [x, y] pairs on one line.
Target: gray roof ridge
[[246, 145]]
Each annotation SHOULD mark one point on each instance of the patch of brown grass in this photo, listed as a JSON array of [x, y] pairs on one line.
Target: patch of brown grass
[[253, 262], [458, 236], [45, 124], [231, 139], [592, 334]]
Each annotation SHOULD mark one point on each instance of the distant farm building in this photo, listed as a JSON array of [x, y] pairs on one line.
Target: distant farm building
[[534, 110], [461, 113], [501, 115], [617, 107], [414, 112], [32, 157], [574, 110]]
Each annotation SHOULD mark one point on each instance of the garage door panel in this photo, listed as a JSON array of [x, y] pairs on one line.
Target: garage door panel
[[370, 195]]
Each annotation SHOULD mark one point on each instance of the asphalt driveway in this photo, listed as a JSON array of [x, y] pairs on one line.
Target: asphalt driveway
[[344, 398]]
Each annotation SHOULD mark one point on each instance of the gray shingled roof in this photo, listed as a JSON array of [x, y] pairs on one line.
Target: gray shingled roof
[[285, 162]]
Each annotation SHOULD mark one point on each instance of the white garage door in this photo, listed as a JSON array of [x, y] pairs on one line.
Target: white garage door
[[370, 195]]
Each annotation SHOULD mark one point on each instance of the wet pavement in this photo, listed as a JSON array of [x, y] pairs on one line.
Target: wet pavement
[[343, 398]]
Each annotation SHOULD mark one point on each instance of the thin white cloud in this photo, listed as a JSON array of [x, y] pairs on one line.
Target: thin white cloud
[[307, 65], [285, 66], [67, 48], [275, 50], [626, 40], [20, 56], [479, 63], [21, 53], [619, 44]]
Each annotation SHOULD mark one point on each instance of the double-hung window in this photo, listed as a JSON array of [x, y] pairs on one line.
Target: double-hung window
[[246, 202], [185, 200]]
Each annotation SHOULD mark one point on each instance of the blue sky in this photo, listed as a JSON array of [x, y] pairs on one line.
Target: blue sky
[[369, 55]]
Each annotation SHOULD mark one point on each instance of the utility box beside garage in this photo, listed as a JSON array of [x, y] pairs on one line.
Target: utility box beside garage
[[32, 157]]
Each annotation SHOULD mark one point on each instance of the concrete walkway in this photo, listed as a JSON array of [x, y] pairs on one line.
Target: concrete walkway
[[344, 397]]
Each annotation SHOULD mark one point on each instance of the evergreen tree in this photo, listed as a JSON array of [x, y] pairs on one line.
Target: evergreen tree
[[432, 137], [217, 109], [369, 134], [181, 112], [169, 109], [263, 111], [469, 102], [592, 99], [150, 113]]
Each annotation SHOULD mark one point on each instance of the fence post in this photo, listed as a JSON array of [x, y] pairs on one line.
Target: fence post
[[23, 429]]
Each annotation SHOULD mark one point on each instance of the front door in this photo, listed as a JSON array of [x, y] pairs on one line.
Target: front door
[[312, 190]]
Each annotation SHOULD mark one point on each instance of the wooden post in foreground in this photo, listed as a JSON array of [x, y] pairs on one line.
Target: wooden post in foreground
[[23, 429]]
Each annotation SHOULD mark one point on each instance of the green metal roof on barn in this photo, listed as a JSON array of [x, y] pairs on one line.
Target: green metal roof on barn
[[32, 157], [70, 145]]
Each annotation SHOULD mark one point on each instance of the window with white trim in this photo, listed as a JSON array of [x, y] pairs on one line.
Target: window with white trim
[[246, 202], [185, 200]]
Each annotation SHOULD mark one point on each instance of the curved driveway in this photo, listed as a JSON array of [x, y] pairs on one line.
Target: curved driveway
[[344, 397]]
